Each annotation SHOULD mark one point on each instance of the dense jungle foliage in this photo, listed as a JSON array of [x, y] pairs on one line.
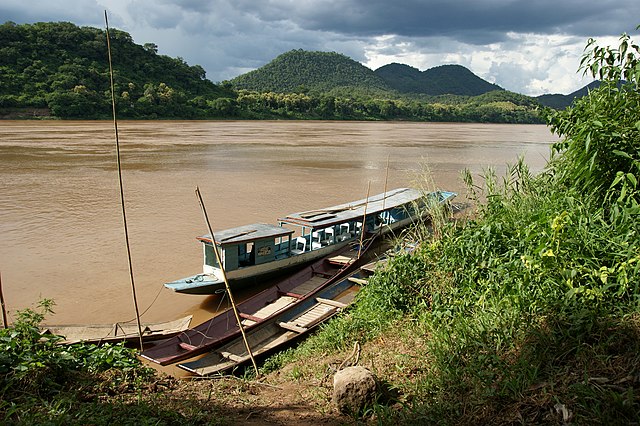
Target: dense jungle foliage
[[300, 71], [61, 70], [442, 80]]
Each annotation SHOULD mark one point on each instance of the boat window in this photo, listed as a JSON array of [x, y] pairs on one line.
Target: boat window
[[246, 254], [210, 256]]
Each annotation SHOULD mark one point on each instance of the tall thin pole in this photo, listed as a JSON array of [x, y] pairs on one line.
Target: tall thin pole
[[124, 212], [386, 179], [226, 282], [4, 312], [364, 221]]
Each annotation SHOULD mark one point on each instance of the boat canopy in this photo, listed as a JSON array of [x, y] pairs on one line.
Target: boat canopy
[[354, 211], [247, 233]]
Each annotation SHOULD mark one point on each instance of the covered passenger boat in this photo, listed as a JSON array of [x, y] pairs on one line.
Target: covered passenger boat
[[253, 253]]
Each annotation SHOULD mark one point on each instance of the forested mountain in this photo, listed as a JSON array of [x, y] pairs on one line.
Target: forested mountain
[[300, 70], [558, 101], [442, 80], [64, 68]]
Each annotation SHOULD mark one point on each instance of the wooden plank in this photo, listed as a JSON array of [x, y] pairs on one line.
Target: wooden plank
[[331, 302], [276, 306], [232, 357], [186, 346], [250, 317], [309, 285], [341, 260], [292, 327], [360, 281], [287, 293]]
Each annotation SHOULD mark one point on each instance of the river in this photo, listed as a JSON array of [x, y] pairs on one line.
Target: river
[[61, 233]]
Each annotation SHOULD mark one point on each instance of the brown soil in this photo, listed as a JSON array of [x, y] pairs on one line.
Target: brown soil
[[298, 394]]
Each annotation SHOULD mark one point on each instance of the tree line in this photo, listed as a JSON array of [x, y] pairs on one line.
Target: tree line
[[62, 71]]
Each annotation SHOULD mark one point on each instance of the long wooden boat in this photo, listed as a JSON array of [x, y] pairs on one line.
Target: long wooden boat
[[253, 253], [109, 333], [253, 311], [280, 329]]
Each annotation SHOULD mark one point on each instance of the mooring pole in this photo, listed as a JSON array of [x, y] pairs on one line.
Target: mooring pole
[[124, 212], [4, 312], [386, 179], [226, 282], [364, 221]]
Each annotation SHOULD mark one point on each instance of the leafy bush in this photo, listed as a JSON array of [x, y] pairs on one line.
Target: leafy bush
[[35, 369]]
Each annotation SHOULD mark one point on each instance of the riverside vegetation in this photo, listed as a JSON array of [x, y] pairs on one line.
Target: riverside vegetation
[[526, 312]]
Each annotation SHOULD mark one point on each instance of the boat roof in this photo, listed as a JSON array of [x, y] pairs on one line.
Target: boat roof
[[355, 210], [247, 233]]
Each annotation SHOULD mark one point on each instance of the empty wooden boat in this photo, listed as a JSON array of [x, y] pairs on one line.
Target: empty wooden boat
[[109, 333], [281, 329], [254, 310]]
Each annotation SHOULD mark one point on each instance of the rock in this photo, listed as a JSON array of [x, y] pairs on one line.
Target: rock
[[353, 389]]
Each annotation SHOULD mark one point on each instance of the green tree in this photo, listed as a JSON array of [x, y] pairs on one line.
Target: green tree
[[601, 148]]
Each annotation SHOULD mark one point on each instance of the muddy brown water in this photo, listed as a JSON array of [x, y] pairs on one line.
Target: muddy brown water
[[61, 233]]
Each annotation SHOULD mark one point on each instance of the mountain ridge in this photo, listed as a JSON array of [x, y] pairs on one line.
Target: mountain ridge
[[300, 70]]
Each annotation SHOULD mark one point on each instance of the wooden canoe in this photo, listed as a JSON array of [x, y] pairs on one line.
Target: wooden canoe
[[258, 308], [281, 329], [108, 333]]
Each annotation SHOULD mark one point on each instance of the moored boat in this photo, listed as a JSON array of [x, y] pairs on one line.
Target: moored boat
[[118, 332], [253, 253], [256, 309], [281, 329]]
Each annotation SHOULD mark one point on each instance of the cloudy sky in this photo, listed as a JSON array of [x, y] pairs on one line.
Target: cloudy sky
[[527, 46]]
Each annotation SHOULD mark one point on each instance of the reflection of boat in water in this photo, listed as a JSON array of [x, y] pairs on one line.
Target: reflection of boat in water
[[255, 252], [281, 329], [118, 332], [256, 309]]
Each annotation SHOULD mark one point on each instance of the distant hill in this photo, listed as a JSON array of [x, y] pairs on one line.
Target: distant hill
[[300, 70], [63, 68], [441, 80], [559, 101]]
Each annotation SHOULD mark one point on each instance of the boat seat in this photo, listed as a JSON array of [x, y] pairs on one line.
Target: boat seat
[[316, 236], [187, 346], [330, 302], [329, 235], [250, 317], [290, 294], [343, 237], [301, 246], [232, 357], [292, 327]]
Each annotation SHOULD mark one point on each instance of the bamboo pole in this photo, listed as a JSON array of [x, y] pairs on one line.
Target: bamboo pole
[[386, 179], [226, 282], [4, 312], [122, 203], [364, 221]]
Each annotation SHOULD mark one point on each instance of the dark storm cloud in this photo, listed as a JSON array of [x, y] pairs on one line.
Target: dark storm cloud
[[466, 20]]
